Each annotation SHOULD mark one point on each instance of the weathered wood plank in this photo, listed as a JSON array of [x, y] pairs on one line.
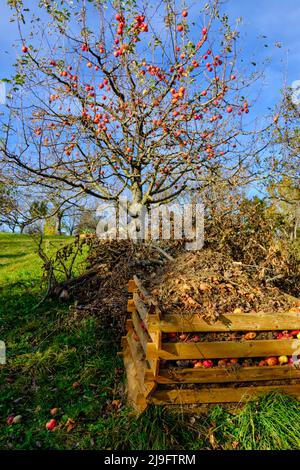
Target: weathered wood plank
[[219, 375], [231, 322], [218, 395], [156, 337], [148, 298], [141, 288], [135, 390], [138, 355], [144, 373], [131, 306], [129, 325], [223, 349], [132, 287], [141, 307], [143, 335]]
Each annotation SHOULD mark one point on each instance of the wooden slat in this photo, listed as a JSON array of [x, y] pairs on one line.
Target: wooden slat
[[232, 322], [148, 298], [138, 356], [219, 375], [131, 306], [140, 380], [141, 307], [143, 335], [144, 340], [129, 325], [218, 395], [135, 389], [140, 287], [156, 337], [132, 287], [224, 349]]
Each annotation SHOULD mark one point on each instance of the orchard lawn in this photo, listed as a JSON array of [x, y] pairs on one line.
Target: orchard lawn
[[58, 360]]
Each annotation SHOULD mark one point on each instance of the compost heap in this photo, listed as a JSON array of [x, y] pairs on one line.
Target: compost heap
[[208, 282], [212, 284]]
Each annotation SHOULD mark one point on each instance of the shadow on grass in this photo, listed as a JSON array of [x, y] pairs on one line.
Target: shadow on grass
[[13, 255]]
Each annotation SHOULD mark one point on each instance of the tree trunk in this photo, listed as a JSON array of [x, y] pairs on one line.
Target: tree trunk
[[59, 223]]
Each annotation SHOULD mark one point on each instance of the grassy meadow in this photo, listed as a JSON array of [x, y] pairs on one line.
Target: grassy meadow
[[59, 359]]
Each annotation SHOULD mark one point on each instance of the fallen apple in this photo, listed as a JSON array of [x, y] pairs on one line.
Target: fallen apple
[[183, 336], [198, 364], [237, 311], [283, 360], [54, 411], [249, 336], [51, 424], [17, 419], [234, 360], [10, 420], [262, 363], [222, 362], [272, 361], [294, 310], [246, 363], [208, 363], [195, 339]]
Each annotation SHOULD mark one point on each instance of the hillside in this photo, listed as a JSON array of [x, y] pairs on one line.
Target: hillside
[[60, 360]]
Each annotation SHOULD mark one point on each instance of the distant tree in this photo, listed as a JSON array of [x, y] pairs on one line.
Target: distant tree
[[13, 211], [50, 227], [284, 179], [87, 222], [285, 195]]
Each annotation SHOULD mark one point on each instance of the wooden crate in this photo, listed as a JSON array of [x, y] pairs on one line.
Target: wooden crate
[[144, 349]]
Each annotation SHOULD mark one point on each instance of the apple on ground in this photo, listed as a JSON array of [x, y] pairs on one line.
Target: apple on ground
[[17, 419], [50, 425], [262, 363], [272, 361], [10, 420], [198, 364], [283, 360], [207, 363]]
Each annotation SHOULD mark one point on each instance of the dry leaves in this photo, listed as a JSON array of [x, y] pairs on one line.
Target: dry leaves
[[211, 284], [69, 424]]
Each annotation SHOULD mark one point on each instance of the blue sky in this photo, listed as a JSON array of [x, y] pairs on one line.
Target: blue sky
[[277, 20]]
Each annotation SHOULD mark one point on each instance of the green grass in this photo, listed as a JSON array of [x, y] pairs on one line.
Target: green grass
[[271, 423], [56, 358]]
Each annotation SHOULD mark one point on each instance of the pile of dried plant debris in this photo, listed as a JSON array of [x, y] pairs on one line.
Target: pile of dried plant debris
[[103, 289], [206, 282], [211, 284]]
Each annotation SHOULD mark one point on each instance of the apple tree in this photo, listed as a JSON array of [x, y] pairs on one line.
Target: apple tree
[[125, 97]]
